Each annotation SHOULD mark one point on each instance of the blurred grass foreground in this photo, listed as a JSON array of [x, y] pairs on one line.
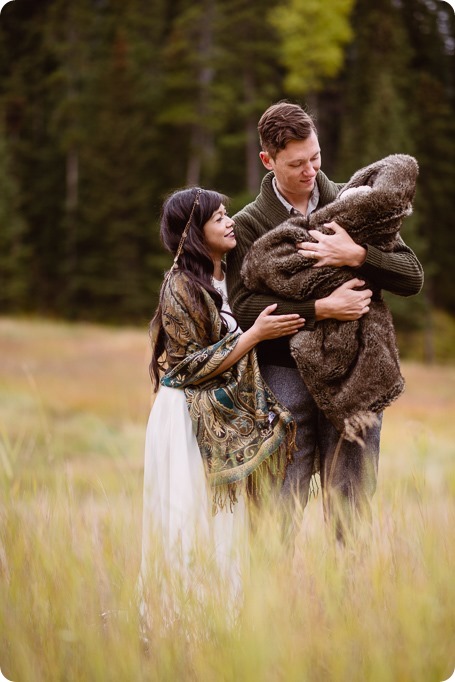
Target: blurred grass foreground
[[74, 400]]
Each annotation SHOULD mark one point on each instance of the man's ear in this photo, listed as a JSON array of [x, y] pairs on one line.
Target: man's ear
[[265, 158]]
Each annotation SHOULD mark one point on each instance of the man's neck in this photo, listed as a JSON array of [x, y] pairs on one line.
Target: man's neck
[[299, 202]]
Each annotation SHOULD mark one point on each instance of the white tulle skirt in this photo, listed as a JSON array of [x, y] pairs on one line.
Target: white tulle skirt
[[185, 549]]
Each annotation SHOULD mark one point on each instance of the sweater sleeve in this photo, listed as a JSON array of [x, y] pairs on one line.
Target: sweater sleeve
[[247, 305], [398, 271]]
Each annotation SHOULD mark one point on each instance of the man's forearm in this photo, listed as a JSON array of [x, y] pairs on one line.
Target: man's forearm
[[247, 305], [398, 272]]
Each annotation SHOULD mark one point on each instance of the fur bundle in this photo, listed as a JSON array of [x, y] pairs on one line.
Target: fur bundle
[[350, 368]]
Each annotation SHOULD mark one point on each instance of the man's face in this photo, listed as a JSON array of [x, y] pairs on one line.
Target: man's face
[[295, 166]]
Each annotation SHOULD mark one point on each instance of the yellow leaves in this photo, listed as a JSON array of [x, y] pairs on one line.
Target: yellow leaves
[[313, 35]]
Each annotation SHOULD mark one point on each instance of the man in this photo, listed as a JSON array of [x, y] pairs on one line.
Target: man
[[295, 184]]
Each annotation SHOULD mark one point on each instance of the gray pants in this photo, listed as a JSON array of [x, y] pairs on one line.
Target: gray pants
[[348, 470]]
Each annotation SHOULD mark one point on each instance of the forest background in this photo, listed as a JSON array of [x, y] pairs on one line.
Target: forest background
[[105, 107], [108, 105]]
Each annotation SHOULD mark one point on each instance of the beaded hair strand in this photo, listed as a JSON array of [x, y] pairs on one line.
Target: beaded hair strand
[[187, 227]]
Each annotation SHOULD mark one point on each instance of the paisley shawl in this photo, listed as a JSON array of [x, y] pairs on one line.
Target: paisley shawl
[[242, 431]]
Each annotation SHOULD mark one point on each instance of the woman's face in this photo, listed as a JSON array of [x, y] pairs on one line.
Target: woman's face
[[219, 233]]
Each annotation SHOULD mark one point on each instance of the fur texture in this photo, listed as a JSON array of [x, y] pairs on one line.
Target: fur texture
[[351, 368]]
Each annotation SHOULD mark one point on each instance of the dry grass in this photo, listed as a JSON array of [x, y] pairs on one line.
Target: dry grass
[[74, 400]]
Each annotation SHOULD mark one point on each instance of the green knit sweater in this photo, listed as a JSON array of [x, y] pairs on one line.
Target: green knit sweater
[[398, 272]]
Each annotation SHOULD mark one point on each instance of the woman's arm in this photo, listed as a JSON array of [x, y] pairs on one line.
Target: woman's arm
[[204, 358], [266, 326]]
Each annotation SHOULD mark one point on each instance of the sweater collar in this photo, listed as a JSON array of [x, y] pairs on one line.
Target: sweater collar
[[312, 202], [272, 208]]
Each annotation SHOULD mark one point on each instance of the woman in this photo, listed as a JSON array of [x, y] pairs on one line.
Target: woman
[[216, 434]]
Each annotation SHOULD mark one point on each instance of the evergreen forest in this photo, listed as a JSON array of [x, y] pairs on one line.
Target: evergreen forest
[[108, 105]]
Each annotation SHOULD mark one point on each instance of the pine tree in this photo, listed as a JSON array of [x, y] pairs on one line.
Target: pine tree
[[69, 39], [25, 66], [121, 261], [188, 74], [14, 252], [107, 105], [375, 118], [242, 99], [431, 27]]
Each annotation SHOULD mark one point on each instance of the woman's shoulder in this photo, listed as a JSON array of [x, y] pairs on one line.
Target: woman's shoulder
[[181, 286], [176, 280], [174, 290]]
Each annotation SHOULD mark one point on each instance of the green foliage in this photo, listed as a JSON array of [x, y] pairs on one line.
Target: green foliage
[[242, 99], [14, 252], [312, 37], [108, 106], [397, 96], [431, 342], [375, 88], [433, 100]]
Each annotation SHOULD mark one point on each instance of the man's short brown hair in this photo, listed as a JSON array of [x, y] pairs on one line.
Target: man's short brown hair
[[281, 123]]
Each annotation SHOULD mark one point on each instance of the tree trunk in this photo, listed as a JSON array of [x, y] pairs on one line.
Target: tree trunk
[[72, 180], [253, 177], [202, 149]]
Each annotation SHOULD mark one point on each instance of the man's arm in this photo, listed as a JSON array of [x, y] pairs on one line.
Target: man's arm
[[398, 271], [247, 305], [346, 302]]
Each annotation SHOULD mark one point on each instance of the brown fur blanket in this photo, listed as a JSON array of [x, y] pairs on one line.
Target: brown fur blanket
[[351, 368]]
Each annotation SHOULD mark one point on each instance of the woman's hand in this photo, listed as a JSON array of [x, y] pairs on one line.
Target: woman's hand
[[266, 326], [269, 326]]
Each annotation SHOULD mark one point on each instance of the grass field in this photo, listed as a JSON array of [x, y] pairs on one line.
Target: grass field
[[74, 400]]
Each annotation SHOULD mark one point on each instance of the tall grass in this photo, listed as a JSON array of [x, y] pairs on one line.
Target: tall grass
[[74, 401]]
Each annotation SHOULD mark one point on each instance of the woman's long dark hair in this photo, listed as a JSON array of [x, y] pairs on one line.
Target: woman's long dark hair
[[194, 260]]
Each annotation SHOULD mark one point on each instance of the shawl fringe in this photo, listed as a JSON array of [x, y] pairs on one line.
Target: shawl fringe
[[262, 483]]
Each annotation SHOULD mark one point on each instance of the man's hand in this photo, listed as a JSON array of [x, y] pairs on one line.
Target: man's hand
[[335, 249], [345, 303]]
